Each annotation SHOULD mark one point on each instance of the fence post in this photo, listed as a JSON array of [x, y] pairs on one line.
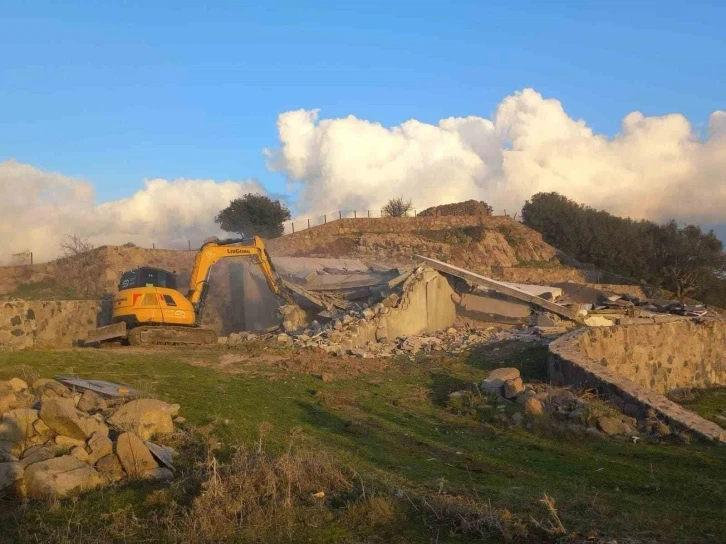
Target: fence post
[[340, 214], [308, 222], [293, 227], [415, 214], [369, 213], [31, 258], [153, 245], [190, 244], [326, 218], [355, 214]]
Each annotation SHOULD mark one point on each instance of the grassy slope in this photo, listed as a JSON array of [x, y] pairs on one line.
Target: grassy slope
[[392, 426]]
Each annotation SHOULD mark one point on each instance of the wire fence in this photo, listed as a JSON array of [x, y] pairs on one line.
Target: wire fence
[[297, 225], [17, 259]]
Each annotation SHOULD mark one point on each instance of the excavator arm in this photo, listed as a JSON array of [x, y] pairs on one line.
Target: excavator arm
[[213, 251]]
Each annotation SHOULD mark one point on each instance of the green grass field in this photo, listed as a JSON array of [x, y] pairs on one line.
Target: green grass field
[[391, 429]]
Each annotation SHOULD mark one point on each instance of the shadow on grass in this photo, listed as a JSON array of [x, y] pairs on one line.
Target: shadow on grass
[[529, 358]]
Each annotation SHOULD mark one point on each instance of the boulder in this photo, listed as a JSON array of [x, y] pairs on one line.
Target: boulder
[[42, 429], [512, 388], [14, 384], [494, 382], [61, 415], [91, 401], [8, 400], [10, 474], [524, 395], [533, 407], [109, 467], [145, 417], [10, 449], [81, 454], [60, 477], [36, 455], [17, 425], [612, 426], [160, 474], [100, 446], [68, 442], [44, 385], [135, 457]]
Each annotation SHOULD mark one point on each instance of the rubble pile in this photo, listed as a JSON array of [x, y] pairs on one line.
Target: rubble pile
[[58, 440], [505, 392]]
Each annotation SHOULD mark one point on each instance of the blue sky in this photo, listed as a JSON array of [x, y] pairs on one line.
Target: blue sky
[[118, 93]]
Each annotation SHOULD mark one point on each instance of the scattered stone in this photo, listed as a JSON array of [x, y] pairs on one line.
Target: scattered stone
[[512, 388], [135, 457], [17, 425], [110, 468], [10, 474], [494, 382], [533, 407], [43, 385], [613, 426], [15, 384], [59, 477], [8, 400], [661, 429], [326, 377], [368, 314], [158, 474], [145, 417], [61, 415], [91, 401], [42, 429], [598, 321], [36, 455], [81, 454], [180, 420], [68, 442], [10, 449], [517, 418], [100, 446]]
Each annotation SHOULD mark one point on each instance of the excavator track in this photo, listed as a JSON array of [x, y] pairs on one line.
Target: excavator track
[[169, 335]]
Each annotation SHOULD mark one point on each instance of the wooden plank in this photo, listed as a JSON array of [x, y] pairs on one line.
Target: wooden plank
[[499, 287]]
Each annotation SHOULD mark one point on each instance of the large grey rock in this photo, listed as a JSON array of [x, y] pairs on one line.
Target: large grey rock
[[17, 425], [60, 477], [61, 415], [495, 381], [145, 417], [135, 457], [91, 401], [10, 474]]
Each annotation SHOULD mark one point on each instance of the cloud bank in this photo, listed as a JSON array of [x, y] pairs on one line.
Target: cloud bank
[[655, 168], [38, 208]]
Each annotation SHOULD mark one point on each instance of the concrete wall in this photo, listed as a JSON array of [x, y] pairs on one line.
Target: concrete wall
[[634, 365], [53, 324], [426, 306]]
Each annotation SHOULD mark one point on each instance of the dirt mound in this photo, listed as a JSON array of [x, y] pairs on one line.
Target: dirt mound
[[470, 207]]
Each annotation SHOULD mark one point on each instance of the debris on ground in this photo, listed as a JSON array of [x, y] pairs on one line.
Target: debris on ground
[[514, 402], [58, 441]]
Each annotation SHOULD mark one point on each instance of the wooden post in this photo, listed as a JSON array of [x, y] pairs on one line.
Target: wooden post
[[326, 219], [308, 222], [340, 214], [369, 213], [31, 258], [355, 214], [293, 227]]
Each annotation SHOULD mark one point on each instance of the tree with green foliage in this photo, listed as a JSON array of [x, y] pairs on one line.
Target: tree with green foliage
[[254, 215], [683, 260]]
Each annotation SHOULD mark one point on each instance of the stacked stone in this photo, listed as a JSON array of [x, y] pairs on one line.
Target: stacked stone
[[55, 442]]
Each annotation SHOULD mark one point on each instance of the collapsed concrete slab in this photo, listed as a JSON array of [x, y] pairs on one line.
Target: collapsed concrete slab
[[500, 287], [489, 308]]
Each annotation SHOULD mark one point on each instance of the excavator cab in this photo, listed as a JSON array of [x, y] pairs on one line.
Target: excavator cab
[[146, 276]]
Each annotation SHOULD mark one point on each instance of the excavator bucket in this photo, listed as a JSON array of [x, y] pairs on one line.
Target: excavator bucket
[[111, 332]]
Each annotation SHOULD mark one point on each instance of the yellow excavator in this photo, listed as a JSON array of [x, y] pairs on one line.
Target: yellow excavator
[[148, 309]]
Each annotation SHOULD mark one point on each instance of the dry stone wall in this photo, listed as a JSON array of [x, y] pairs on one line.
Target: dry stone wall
[[39, 324], [634, 365]]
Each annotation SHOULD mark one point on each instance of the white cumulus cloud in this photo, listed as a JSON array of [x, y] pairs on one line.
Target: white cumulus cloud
[[39, 208], [654, 168]]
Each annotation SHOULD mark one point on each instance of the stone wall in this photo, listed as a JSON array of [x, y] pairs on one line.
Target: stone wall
[[38, 324], [634, 365]]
